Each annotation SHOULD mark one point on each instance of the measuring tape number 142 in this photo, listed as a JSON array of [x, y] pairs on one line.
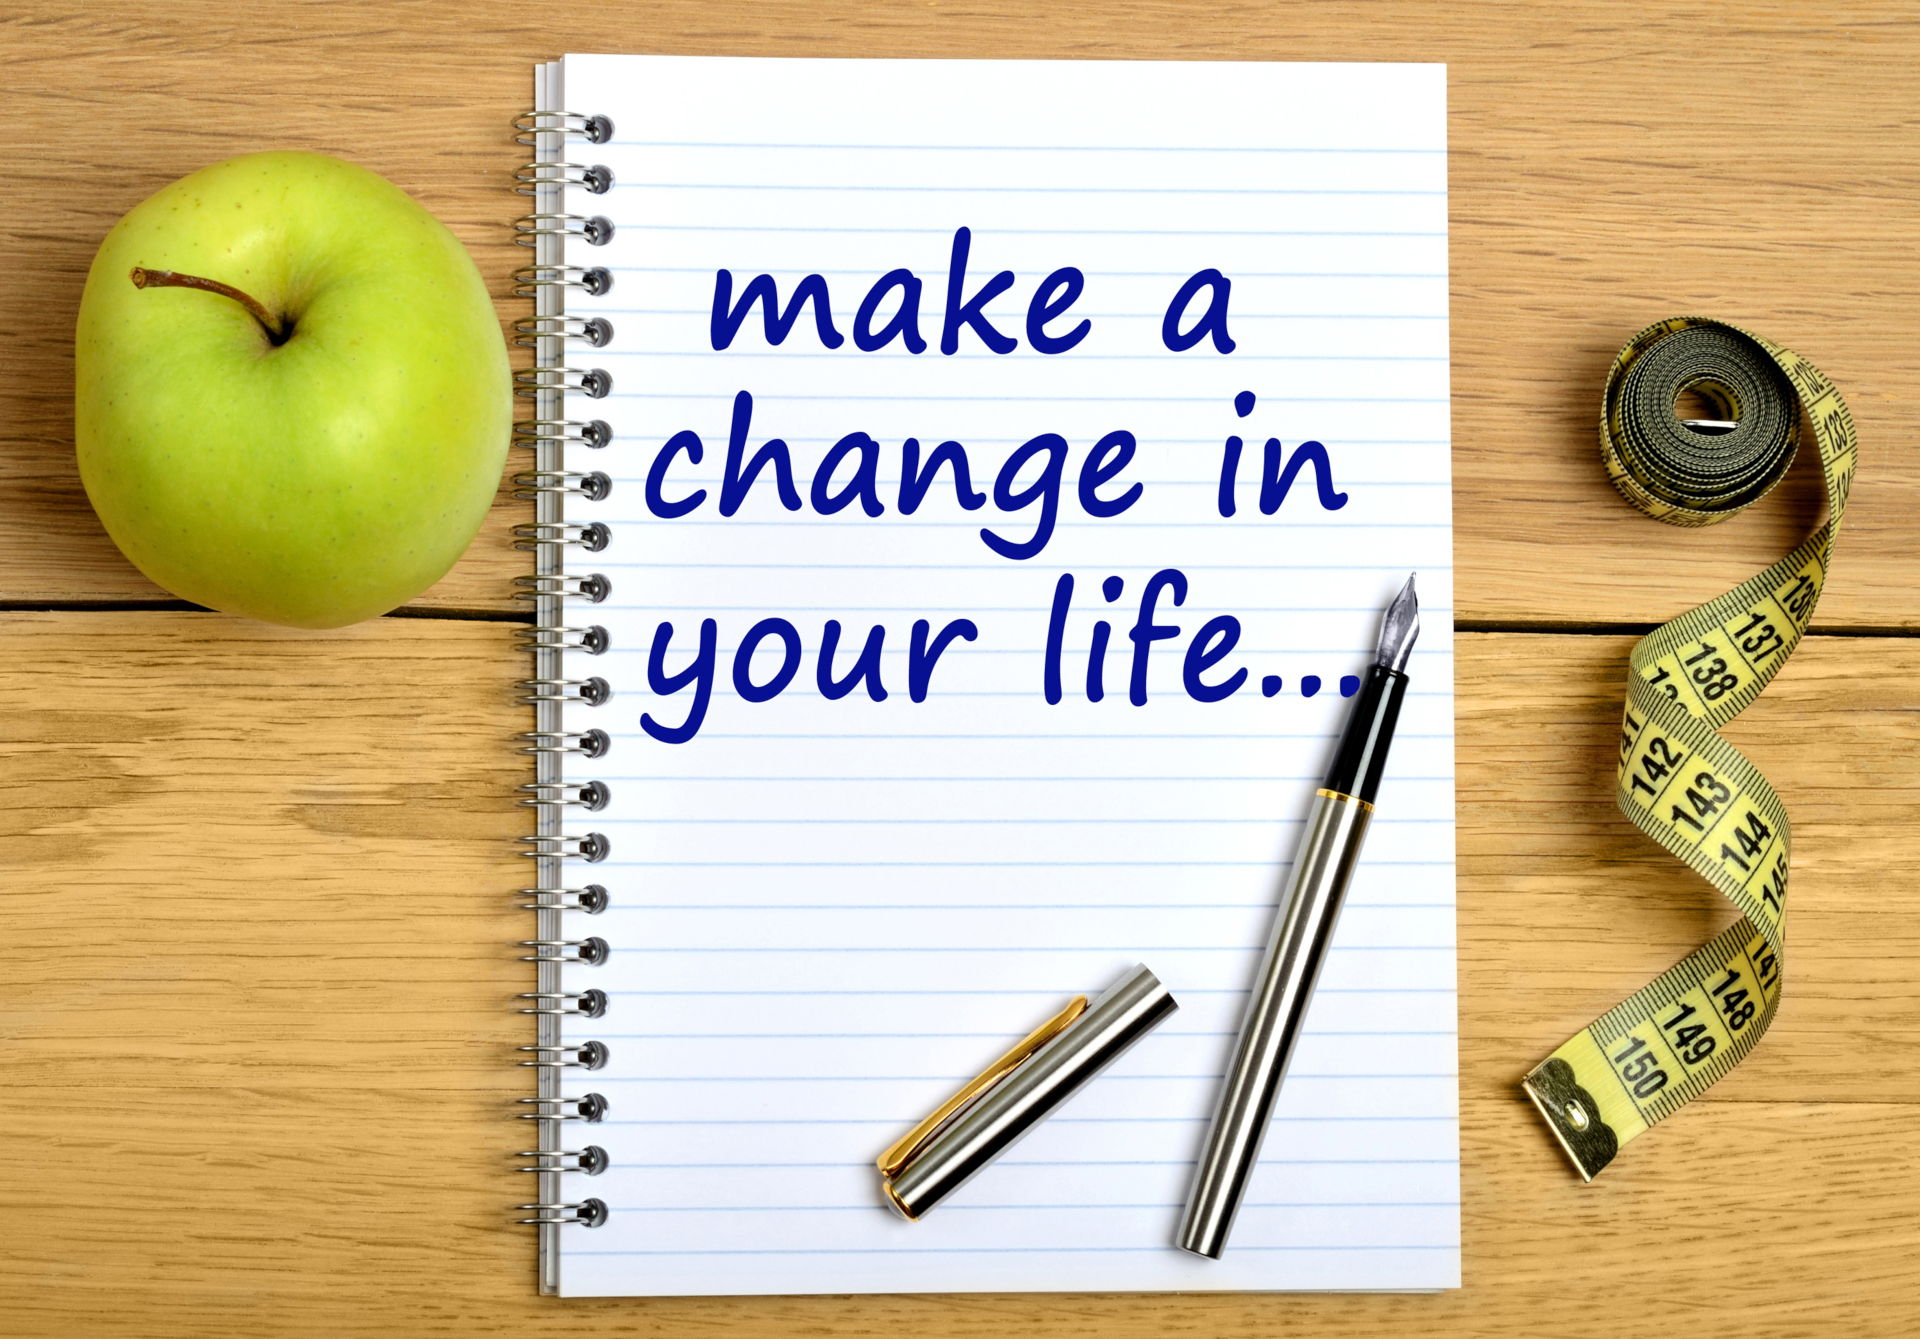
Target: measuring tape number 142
[[1678, 780]]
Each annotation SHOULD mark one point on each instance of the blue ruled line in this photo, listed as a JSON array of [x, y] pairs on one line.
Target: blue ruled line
[[895, 521], [1016, 569], [1030, 1162], [1003, 190], [1011, 148], [1239, 1246], [1032, 232], [970, 822], [1022, 354], [603, 1035], [1013, 906], [1102, 274], [846, 398], [1016, 948], [1110, 1077], [1017, 1208], [970, 864], [1170, 779], [1174, 735], [1003, 357], [1048, 993], [1176, 441], [1357, 656], [1055, 1120], [1014, 609], [942, 694]]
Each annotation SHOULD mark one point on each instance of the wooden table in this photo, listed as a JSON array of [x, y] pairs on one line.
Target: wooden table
[[257, 1053]]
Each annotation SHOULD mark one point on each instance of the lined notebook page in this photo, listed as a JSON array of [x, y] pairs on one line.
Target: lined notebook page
[[827, 913]]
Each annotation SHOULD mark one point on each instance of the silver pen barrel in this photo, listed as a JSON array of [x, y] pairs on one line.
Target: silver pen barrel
[[1309, 912], [1322, 867]]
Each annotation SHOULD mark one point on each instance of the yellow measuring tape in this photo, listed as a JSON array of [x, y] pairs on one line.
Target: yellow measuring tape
[[1678, 780]]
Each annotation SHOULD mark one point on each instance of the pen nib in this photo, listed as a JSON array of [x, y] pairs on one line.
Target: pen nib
[[1399, 626]]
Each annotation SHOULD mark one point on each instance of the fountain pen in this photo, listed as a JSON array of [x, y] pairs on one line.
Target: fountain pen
[[1316, 886]]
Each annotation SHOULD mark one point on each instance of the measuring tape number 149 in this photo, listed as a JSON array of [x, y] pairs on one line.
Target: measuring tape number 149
[[1678, 780]]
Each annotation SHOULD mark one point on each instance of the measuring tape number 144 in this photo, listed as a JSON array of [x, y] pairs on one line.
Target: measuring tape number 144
[[1679, 781]]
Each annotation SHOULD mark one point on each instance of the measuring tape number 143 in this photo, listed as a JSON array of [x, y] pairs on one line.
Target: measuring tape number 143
[[1678, 780]]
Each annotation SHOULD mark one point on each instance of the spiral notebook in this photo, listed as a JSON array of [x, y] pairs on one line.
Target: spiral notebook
[[965, 493]]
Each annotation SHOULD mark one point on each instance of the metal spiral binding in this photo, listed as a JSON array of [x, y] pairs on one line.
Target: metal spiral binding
[[596, 178], [535, 381], [591, 485], [592, 536], [537, 129], [533, 433], [530, 280], [587, 743], [592, 1160], [550, 332], [585, 1004], [529, 331]]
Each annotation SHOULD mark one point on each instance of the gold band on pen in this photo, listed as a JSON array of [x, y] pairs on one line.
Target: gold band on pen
[[1324, 793]]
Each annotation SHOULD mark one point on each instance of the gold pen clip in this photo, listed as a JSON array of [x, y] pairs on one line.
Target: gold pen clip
[[902, 1151]]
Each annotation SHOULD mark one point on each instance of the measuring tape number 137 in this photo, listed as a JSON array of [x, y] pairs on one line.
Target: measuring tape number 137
[[1678, 780]]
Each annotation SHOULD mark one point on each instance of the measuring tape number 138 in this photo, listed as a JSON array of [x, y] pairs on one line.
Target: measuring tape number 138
[[1678, 780]]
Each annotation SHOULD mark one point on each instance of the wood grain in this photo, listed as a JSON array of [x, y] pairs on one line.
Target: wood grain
[[1611, 165], [258, 1042]]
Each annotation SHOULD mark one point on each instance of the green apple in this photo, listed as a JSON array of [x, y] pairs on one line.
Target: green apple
[[292, 397]]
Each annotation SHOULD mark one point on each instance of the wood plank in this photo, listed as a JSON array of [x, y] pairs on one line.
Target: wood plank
[[258, 1046], [1610, 167]]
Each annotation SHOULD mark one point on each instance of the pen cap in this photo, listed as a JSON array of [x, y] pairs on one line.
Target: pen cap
[[982, 1131]]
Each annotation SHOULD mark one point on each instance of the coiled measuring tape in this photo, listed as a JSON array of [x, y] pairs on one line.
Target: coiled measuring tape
[[1678, 780]]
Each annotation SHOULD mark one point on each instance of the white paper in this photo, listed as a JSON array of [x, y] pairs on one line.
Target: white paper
[[828, 913]]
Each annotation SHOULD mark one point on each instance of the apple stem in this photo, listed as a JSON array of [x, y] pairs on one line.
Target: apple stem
[[277, 331]]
